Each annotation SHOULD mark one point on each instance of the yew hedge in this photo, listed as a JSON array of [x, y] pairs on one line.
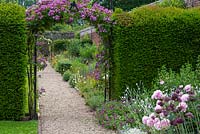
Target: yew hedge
[[12, 61], [149, 37]]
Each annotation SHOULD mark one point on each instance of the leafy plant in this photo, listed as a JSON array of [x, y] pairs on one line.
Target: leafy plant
[[115, 115], [88, 52], [72, 80], [95, 102], [172, 3], [66, 75], [63, 66]]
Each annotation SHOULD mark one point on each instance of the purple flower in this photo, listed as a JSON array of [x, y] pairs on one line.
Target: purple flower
[[157, 94], [159, 102], [93, 18], [189, 115]]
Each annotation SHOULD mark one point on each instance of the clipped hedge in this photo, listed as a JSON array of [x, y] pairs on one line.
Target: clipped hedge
[[12, 61], [149, 37]]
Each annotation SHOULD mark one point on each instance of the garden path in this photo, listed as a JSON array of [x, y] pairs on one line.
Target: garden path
[[62, 110]]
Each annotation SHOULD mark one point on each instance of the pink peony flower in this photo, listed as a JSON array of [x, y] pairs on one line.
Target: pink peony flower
[[187, 88], [150, 122], [144, 119], [158, 108], [159, 102], [184, 97], [165, 123], [156, 120], [158, 126], [182, 106], [157, 94], [152, 115], [162, 114]]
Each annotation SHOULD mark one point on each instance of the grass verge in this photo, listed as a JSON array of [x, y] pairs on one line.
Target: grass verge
[[18, 127]]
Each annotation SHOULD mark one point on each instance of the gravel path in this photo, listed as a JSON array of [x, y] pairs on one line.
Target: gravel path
[[62, 110]]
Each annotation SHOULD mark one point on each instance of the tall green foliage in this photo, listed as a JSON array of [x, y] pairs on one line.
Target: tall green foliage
[[12, 61], [149, 37], [126, 5]]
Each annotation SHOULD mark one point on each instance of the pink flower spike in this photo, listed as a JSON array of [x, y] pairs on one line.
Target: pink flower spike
[[185, 97], [187, 88], [157, 94]]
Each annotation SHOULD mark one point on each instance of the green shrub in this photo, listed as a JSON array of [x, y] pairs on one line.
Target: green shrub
[[79, 67], [62, 66], [60, 46], [72, 80], [74, 47], [86, 39], [148, 38], [67, 75], [172, 3], [88, 52], [95, 102], [12, 61]]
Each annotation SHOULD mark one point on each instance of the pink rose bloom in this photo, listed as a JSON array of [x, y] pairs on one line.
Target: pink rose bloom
[[184, 97], [187, 88], [158, 126], [165, 123], [162, 114], [161, 82], [150, 122], [144, 119], [157, 94], [183, 106]]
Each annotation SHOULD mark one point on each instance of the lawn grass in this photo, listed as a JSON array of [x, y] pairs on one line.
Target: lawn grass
[[18, 127]]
